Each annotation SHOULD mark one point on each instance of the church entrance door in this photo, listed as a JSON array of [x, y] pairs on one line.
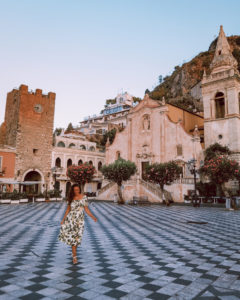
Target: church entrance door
[[144, 166]]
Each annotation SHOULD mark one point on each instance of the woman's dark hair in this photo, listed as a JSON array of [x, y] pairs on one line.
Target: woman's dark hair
[[71, 192]]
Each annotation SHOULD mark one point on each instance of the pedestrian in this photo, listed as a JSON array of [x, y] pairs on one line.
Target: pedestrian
[[72, 225]]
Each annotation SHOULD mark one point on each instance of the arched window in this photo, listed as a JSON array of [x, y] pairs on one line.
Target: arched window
[[179, 150], [118, 155], [90, 162], [99, 165], [58, 163], [61, 144], [220, 105], [72, 145], [91, 148], [80, 162], [69, 162], [83, 147]]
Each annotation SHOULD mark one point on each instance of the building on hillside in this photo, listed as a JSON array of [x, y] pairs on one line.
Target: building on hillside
[[74, 149], [28, 128], [157, 132], [114, 115], [7, 168], [221, 99]]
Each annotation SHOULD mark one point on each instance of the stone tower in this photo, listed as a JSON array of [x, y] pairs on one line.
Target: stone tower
[[221, 98], [28, 122]]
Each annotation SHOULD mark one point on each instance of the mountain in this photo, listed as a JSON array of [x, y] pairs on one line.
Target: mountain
[[182, 87]]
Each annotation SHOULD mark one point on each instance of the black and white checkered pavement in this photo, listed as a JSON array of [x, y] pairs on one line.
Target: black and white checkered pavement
[[148, 252]]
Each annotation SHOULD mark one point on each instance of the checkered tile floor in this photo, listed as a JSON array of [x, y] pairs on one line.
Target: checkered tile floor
[[131, 253]]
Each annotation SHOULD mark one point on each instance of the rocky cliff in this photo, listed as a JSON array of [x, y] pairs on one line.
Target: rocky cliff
[[182, 86]]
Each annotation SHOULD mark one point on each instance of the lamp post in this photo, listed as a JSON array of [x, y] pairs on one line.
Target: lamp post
[[192, 168]]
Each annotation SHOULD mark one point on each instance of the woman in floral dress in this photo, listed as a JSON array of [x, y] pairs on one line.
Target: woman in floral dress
[[72, 224]]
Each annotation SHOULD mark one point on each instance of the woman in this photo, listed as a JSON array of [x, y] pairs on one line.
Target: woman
[[72, 224]]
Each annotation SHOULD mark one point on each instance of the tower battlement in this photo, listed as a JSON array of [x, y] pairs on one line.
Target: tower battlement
[[23, 89]]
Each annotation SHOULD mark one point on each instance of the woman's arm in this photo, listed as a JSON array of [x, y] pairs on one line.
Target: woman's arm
[[87, 210], [66, 213]]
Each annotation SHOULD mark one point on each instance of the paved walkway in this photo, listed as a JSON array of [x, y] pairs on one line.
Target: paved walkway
[[131, 253]]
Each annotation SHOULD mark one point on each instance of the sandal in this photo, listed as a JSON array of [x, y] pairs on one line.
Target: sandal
[[75, 261]]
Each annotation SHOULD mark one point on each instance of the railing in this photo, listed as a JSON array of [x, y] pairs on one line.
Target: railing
[[185, 180], [151, 187], [107, 186]]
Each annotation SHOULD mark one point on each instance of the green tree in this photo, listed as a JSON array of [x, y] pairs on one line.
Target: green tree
[[136, 99], [147, 91], [160, 79], [109, 134], [163, 173], [220, 169], [81, 174], [215, 150], [119, 171], [70, 127], [57, 131]]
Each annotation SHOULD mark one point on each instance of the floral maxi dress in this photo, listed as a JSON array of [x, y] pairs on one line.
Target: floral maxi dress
[[71, 230]]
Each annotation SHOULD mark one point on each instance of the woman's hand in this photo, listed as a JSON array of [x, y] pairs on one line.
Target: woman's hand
[[62, 222], [94, 219]]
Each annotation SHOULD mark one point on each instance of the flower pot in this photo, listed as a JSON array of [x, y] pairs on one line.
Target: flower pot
[[5, 201], [40, 200], [23, 200], [14, 201]]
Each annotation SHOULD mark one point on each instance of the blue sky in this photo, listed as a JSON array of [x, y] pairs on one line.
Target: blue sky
[[87, 51]]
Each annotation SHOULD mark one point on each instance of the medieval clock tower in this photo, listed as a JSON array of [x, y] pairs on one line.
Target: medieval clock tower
[[221, 98]]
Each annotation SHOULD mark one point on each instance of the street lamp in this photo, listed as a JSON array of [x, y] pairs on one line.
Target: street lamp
[[192, 168]]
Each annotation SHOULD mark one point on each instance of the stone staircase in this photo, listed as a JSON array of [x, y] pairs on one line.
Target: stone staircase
[[132, 188]]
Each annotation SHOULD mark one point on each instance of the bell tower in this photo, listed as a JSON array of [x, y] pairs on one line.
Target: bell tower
[[221, 98]]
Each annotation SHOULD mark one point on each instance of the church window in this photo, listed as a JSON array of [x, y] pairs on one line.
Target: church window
[[220, 105], [220, 137], [146, 122], [80, 162]]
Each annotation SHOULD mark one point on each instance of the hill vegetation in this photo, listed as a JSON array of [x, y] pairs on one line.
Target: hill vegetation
[[177, 87]]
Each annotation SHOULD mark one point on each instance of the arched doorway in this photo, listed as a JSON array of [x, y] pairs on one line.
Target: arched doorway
[[68, 186], [32, 188], [57, 186]]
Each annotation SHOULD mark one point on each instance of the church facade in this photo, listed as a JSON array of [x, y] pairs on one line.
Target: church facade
[[152, 136]]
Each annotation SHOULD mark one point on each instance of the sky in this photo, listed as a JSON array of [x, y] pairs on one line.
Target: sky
[[87, 51]]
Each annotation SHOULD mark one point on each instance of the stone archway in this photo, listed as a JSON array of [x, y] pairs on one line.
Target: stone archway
[[32, 175]]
